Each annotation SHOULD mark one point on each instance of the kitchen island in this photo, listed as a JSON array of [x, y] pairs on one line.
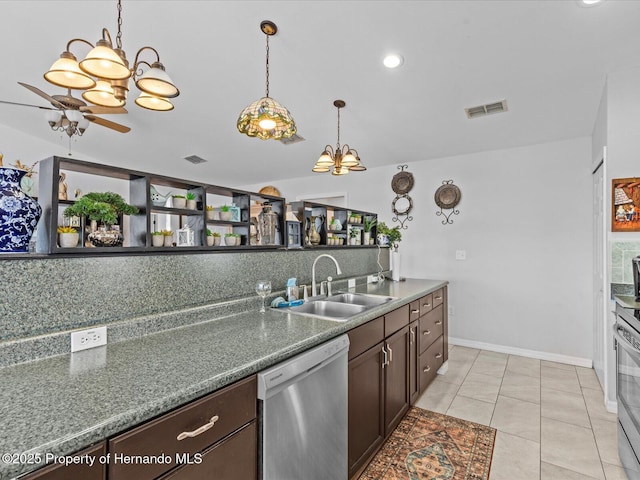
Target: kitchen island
[[62, 404]]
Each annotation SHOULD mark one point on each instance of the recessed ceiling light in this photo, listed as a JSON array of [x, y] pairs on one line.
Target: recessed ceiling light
[[393, 60], [589, 3]]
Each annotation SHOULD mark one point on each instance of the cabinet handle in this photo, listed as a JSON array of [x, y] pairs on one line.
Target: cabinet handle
[[439, 322], [198, 430], [438, 355], [427, 332], [426, 304], [385, 362], [390, 353], [438, 298], [413, 336], [415, 311], [427, 369]]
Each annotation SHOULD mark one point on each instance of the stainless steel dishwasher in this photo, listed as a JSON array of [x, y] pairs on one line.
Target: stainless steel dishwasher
[[303, 415]]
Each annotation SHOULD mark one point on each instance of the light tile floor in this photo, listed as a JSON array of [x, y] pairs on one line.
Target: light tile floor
[[550, 417]]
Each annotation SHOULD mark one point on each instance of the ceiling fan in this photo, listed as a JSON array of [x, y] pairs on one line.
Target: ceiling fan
[[72, 115]]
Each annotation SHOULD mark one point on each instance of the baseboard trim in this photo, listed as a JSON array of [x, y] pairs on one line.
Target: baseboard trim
[[551, 357]]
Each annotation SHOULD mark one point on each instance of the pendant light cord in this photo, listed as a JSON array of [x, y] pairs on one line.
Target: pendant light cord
[[119, 36], [267, 83], [338, 144]]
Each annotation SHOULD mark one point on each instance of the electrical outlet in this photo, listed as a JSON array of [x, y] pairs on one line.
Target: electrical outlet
[[352, 283], [451, 310], [83, 339], [461, 254]]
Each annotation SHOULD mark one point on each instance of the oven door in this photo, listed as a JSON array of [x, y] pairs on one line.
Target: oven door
[[628, 396]]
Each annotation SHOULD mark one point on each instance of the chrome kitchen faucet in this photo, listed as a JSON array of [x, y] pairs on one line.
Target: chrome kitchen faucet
[[314, 287]]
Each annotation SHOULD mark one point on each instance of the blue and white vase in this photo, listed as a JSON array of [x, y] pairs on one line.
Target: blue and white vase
[[19, 213]]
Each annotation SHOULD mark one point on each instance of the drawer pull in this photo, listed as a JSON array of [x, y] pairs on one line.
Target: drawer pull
[[426, 304], [413, 336], [439, 322], [427, 369], [438, 298], [198, 430], [438, 355], [427, 332], [390, 353], [415, 311], [385, 362]]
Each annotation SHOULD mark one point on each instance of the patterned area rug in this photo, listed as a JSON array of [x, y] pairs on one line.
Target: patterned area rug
[[431, 446]]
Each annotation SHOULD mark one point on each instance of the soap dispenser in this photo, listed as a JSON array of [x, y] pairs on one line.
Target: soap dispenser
[[292, 290]]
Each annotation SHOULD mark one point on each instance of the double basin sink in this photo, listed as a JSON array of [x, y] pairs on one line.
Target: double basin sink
[[342, 306]]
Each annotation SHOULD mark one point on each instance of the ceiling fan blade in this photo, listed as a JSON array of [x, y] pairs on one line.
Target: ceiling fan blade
[[47, 97], [98, 110], [27, 105], [108, 123]]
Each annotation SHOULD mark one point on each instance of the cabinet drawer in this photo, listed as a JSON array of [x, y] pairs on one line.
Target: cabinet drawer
[[235, 458], [431, 327], [84, 471], [394, 321], [234, 406], [365, 336], [438, 297], [414, 310], [426, 304], [430, 361]]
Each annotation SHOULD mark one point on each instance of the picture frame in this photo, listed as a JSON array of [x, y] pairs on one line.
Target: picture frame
[[625, 204]]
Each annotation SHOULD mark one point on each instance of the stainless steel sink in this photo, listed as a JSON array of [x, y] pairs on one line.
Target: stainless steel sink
[[367, 300], [341, 307]]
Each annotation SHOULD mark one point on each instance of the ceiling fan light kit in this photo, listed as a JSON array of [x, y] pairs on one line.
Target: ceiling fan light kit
[[266, 118], [343, 159]]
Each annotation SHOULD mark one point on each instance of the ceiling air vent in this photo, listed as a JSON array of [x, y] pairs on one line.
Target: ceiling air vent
[[489, 108], [195, 159], [295, 138]]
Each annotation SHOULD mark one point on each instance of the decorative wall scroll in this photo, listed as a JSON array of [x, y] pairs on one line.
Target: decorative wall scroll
[[401, 184], [447, 197], [625, 205]]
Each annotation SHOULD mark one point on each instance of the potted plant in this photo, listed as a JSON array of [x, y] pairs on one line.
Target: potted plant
[[216, 239], [369, 223], [168, 238], [68, 237], [225, 213], [354, 233], [157, 238], [179, 201], [209, 212], [389, 236], [210, 238], [191, 200], [102, 208], [231, 239]]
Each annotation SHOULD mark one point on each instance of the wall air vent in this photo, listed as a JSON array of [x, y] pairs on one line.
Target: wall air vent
[[488, 109], [295, 138], [195, 159]]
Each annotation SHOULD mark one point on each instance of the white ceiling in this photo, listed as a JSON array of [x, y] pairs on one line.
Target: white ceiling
[[548, 59]]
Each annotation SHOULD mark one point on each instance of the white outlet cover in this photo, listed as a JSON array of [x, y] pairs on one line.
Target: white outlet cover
[[84, 339], [461, 254]]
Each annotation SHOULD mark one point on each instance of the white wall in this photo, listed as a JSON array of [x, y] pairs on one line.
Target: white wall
[[525, 223]]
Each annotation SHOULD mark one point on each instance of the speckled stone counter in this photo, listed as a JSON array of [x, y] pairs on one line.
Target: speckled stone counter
[[62, 404]]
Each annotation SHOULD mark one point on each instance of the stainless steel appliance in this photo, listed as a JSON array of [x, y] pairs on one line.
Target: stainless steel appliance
[[627, 336], [303, 415], [636, 277]]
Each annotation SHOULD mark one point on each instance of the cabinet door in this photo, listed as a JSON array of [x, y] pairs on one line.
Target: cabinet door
[[396, 379], [234, 458], [414, 376], [366, 407], [83, 471]]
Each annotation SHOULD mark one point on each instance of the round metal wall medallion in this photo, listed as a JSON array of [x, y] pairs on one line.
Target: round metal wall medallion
[[402, 183], [447, 196]]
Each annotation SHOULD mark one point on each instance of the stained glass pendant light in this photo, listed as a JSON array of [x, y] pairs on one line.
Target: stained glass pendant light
[[266, 118], [343, 159]]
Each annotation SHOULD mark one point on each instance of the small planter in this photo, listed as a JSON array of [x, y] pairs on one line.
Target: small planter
[[68, 240], [225, 216], [210, 240], [192, 204], [157, 240], [168, 240], [367, 238], [216, 241], [179, 202], [231, 241], [210, 215]]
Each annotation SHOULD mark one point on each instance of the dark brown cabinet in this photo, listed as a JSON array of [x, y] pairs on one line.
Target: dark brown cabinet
[[396, 379], [97, 471], [414, 374]]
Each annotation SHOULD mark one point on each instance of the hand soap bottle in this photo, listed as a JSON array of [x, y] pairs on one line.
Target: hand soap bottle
[[292, 290]]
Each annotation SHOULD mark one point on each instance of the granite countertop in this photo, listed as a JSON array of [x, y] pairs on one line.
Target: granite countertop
[[62, 404], [627, 301]]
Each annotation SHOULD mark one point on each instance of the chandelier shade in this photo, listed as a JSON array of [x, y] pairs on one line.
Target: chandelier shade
[[152, 102], [104, 62], [266, 118], [102, 94], [343, 159], [66, 73], [155, 81]]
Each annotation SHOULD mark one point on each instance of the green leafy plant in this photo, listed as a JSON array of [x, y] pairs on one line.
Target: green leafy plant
[[394, 233], [215, 234], [67, 230], [209, 233], [231, 234], [178, 196], [354, 232], [158, 233], [167, 233], [102, 207], [224, 208], [191, 196], [209, 208], [369, 223]]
